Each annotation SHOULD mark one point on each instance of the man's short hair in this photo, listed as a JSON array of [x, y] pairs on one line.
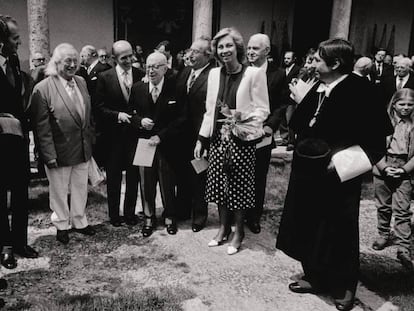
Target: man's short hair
[[4, 27], [206, 39], [89, 50], [340, 50], [404, 61], [263, 38]]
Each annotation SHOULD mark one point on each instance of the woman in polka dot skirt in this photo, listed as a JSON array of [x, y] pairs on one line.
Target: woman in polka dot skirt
[[237, 103]]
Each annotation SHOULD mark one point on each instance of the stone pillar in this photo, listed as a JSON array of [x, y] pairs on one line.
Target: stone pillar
[[202, 18], [37, 16], [341, 18]]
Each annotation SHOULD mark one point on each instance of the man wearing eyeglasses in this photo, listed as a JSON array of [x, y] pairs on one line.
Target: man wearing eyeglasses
[[157, 117], [191, 92], [112, 95]]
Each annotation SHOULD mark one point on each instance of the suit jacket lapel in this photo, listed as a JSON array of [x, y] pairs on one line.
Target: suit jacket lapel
[[67, 101], [86, 100], [200, 80]]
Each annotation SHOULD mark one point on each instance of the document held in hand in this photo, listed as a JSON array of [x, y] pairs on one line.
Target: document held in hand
[[144, 154], [199, 165], [302, 88], [351, 162]]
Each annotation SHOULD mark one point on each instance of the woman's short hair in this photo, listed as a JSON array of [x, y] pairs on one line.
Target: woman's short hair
[[58, 55], [405, 94], [238, 41], [339, 50]]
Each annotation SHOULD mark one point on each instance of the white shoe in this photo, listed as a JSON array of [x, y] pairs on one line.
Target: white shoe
[[231, 250], [214, 243]]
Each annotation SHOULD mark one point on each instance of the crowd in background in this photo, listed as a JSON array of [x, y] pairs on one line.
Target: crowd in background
[[209, 116]]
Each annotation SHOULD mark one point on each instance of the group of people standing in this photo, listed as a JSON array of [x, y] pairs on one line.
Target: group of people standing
[[221, 115]]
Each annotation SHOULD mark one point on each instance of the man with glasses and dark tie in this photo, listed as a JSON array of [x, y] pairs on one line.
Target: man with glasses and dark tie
[[112, 94], [159, 118]]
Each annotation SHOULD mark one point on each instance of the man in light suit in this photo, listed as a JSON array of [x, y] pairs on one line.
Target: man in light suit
[[191, 93], [14, 156], [258, 49], [112, 95], [61, 121], [157, 117]]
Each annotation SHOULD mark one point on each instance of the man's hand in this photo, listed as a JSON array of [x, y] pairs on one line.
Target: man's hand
[[154, 140], [123, 117], [268, 130], [52, 164], [198, 150], [147, 124]]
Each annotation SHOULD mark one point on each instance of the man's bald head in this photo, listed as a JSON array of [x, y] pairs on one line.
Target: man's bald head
[[122, 52], [156, 67], [363, 66], [258, 48]]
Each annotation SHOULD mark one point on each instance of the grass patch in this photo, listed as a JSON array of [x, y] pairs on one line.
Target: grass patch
[[150, 299]]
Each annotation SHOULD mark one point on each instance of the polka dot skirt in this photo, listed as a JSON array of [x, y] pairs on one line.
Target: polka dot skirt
[[232, 185]]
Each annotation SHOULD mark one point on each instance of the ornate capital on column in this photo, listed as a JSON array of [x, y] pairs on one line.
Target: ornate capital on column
[[341, 18], [202, 18]]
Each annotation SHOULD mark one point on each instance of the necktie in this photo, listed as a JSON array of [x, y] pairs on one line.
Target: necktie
[[400, 83], [75, 98], [154, 94], [378, 70], [191, 81], [127, 82], [9, 74]]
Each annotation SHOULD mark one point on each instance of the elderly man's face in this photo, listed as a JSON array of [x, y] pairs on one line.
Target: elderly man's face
[[124, 57], [156, 68], [402, 69], [68, 65], [256, 51], [12, 44], [198, 57]]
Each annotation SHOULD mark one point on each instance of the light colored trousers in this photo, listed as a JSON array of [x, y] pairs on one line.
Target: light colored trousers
[[63, 181]]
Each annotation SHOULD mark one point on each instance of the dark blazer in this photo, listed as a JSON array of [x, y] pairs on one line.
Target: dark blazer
[[278, 93], [389, 86], [61, 132], [194, 103], [93, 77], [293, 73], [387, 71], [110, 101], [167, 114]]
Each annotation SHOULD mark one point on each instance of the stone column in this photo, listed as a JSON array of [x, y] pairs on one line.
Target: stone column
[[202, 18], [37, 16], [341, 18]]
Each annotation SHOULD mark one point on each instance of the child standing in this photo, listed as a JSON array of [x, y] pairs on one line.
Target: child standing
[[392, 178]]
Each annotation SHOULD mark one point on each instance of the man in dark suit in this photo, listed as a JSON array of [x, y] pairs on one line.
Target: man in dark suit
[[402, 79], [14, 157], [191, 93], [158, 118], [112, 95], [258, 49], [381, 70], [291, 72]]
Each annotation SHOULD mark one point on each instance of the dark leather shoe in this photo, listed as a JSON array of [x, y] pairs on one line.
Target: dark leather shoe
[[88, 230], [26, 251], [254, 227], [3, 284], [172, 229], [131, 221], [380, 243], [344, 305], [8, 261], [296, 287], [196, 228], [404, 257], [147, 231], [116, 222], [62, 236]]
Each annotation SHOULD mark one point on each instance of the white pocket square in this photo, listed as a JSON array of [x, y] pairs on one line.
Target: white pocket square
[[170, 102], [94, 78]]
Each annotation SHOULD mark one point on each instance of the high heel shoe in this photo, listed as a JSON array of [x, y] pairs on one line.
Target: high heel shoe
[[214, 242], [231, 250]]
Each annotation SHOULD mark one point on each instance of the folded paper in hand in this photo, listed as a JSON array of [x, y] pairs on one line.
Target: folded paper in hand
[[144, 154], [302, 88], [351, 162], [95, 175], [199, 165]]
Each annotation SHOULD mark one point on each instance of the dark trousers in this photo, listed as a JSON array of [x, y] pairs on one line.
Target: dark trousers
[[16, 235], [191, 189], [119, 158], [161, 172], [286, 133], [263, 156]]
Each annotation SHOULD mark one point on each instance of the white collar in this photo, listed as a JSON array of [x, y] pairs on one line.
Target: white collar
[[65, 82], [121, 71], [92, 65], [404, 79], [327, 88], [3, 61], [262, 66], [159, 86]]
